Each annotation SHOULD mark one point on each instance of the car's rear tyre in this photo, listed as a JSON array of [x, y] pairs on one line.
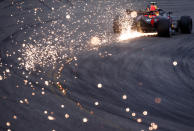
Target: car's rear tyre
[[164, 28], [117, 27], [186, 25]]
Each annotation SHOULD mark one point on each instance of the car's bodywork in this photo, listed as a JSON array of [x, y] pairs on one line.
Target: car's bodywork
[[154, 21]]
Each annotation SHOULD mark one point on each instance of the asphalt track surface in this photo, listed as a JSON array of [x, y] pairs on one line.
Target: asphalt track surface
[[141, 68]]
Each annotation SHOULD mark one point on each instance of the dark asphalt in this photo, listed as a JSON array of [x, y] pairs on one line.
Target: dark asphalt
[[141, 68]]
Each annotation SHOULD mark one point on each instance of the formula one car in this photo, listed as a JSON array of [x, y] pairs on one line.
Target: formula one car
[[153, 19]]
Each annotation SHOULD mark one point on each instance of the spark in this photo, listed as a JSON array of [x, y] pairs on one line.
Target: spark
[[15, 117], [46, 83], [62, 106], [133, 14], [45, 112], [95, 41], [158, 100], [43, 93], [99, 85], [51, 118], [26, 101], [133, 114], [153, 126], [85, 120], [21, 102], [7, 70], [40, 54], [150, 128], [139, 120], [145, 113], [175, 63], [56, 39], [68, 16], [96, 103], [66, 116], [127, 33], [124, 97], [25, 82], [19, 58], [127, 109], [8, 124]]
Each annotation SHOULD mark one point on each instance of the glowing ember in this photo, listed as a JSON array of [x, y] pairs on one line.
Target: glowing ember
[[99, 85], [51, 118], [175, 63], [7, 70], [46, 83], [43, 93], [21, 101], [26, 101], [150, 128], [153, 126], [158, 100], [19, 59], [66, 116], [124, 97], [62, 106], [68, 16], [85, 120], [133, 14], [139, 120], [145, 113], [45, 112], [133, 114], [127, 109], [8, 124], [95, 41], [96, 103], [15, 117]]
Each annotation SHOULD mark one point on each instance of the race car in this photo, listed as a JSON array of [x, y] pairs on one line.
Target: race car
[[153, 19]]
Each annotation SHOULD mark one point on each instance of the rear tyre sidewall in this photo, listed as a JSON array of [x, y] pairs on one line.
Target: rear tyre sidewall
[[164, 28], [186, 25]]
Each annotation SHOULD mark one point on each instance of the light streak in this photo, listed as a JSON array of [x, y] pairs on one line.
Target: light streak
[[130, 34]]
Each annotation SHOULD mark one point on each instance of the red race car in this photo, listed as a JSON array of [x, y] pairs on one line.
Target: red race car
[[153, 19]]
